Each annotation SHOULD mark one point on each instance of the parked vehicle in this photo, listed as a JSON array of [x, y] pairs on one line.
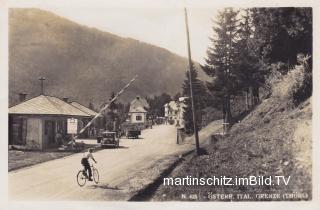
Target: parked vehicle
[[133, 134], [108, 138], [132, 130], [171, 121]]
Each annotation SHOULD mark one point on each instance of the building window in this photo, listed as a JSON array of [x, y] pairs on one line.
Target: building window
[[139, 118]]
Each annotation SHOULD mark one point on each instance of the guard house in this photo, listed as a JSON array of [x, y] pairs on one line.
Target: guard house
[[34, 123], [138, 110]]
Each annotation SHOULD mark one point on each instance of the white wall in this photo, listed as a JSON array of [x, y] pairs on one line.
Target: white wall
[[134, 115], [34, 132]]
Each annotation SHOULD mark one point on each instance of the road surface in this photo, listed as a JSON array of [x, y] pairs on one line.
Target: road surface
[[56, 179]]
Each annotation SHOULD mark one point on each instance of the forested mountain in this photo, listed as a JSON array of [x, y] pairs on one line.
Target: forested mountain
[[84, 63]]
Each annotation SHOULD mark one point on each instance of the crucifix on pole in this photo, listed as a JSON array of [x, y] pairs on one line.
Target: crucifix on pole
[[42, 79]]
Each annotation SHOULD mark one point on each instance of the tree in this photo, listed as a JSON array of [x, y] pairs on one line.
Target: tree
[[249, 76], [222, 60], [279, 35], [199, 97], [157, 104], [113, 105], [111, 118], [91, 106], [282, 33], [177, 96], [243, 50]]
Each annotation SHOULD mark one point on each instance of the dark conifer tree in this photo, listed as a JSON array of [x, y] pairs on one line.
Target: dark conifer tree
[[200, 95], [222, 60]]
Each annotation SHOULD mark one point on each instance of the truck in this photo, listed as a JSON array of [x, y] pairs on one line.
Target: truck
[[132, 130]]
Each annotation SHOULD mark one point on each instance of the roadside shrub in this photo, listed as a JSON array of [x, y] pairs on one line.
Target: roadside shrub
[[305, 91], [296, 85], [274, 77], [288, 84]]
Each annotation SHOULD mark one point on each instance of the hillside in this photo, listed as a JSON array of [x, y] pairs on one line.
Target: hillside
[[275, 139], [84, 63]]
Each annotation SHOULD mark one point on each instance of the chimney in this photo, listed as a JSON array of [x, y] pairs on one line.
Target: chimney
[[22, 97], [65, 99]]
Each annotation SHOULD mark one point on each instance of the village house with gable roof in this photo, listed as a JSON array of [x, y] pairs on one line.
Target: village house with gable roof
[[138, 110]]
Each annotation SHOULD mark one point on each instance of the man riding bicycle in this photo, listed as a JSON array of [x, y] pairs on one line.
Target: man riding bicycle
[[85, 162]]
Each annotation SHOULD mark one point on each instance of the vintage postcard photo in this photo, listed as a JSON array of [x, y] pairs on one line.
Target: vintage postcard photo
[[177, 103]]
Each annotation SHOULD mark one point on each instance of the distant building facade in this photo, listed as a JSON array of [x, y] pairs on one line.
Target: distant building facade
[[174, 112], [138, 110], [171, 110]]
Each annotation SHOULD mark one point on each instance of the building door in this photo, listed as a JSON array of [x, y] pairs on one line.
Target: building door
[[49, 132], [17, 130]]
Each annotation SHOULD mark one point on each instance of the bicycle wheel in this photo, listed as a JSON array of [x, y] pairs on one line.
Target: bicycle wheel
[[95, 175], [81, 178]]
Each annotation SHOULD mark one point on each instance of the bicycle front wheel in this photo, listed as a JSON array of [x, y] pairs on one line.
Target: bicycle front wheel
[[95, 175], [81, 178]]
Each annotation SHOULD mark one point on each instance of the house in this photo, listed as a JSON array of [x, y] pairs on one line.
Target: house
[[138, 110], [171, 111], [34, 123], [181, 109], [174, 112]]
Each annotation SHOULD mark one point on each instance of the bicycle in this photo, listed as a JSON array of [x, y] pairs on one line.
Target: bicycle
[[82, 176]]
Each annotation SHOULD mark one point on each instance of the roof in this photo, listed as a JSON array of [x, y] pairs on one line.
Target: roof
[[182, 99], [139, 105], [84, 108], [137, 109], [46, 105]]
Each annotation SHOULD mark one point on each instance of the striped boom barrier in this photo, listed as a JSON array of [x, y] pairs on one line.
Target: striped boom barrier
[[106, 106]]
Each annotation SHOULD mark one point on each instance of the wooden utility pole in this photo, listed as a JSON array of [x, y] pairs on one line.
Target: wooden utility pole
[[195, 127], [42, 79]]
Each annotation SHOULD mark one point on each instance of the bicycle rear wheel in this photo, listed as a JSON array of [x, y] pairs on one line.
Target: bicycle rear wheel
[[81, 178], [95, 175]]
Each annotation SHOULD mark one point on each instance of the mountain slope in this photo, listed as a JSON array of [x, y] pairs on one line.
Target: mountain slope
[[84, 63], [274, 139]]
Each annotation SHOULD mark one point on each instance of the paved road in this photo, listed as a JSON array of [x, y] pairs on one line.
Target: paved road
[[56, 180]]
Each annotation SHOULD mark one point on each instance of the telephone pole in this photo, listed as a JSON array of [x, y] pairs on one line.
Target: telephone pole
[[195, 127]]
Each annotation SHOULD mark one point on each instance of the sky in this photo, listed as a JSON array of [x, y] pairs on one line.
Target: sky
[[163, 27], [158, 22]]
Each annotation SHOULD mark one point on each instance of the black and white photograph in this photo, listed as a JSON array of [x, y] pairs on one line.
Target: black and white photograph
[[182, 102]]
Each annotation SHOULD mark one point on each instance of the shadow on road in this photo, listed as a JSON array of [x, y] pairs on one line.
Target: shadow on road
[[133, 138], [123, 147], [106, 187], [120, 147]]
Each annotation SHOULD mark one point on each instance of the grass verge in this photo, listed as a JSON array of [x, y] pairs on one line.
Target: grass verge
[[273, 140]]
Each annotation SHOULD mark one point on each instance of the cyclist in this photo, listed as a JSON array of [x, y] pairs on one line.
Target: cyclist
[[85, 162]]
